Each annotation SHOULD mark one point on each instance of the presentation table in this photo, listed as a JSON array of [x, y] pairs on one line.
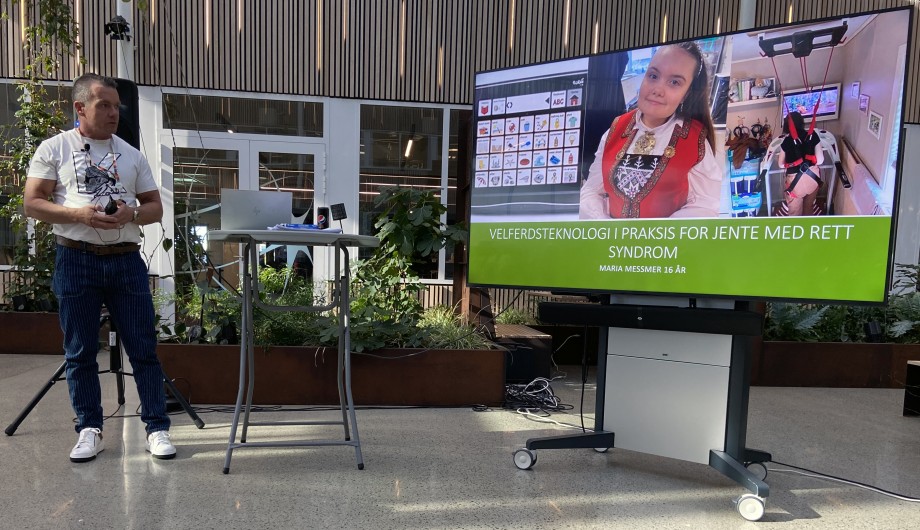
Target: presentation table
[[338, 301]]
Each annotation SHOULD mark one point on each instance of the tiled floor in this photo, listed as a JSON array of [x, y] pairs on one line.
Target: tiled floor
[[448, 468]]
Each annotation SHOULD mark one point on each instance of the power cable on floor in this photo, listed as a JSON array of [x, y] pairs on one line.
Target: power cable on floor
[[824, 476], [545, 418]]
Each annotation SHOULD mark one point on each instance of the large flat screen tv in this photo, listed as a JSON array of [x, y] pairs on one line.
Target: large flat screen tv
[[565, 197]]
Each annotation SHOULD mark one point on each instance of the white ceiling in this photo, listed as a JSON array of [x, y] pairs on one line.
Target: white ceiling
[[745, 47]]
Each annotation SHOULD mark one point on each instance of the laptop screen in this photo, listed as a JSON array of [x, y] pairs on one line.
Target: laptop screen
[[254, 210]]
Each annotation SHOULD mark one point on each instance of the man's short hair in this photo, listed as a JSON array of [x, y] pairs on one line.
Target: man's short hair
[[83, 86]]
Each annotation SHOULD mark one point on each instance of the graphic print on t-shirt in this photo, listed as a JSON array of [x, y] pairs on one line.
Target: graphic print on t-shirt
[[99, 179]]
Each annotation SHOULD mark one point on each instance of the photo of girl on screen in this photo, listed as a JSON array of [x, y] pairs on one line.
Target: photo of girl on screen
[[658, 160], [798, 153]]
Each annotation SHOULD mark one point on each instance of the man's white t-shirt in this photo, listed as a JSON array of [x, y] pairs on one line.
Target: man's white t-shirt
[[109, 169]]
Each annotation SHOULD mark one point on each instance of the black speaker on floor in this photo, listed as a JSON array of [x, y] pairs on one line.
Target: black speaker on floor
[[129, 125]]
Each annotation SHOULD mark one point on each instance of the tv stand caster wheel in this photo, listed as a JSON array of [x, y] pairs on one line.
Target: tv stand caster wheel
[[524, 458], [750, 506], [601, 449]]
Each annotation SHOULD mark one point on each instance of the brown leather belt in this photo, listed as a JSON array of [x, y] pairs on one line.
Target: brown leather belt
[[99, 250]]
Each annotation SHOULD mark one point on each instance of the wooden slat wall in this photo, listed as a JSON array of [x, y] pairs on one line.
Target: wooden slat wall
[[11, 58], [12, 55], [379, 49], [516, 32], [404, 50]]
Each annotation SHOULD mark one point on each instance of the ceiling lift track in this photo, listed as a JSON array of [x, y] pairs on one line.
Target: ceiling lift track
[[802, 43]]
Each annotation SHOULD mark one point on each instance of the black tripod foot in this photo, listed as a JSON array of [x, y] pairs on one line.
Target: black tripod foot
[[38, 397], [183, 404]]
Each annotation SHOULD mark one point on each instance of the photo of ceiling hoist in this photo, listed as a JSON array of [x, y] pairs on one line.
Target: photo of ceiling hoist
[[800, 160]]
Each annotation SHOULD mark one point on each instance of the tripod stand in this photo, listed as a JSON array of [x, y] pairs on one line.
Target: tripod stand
[[115, 367]]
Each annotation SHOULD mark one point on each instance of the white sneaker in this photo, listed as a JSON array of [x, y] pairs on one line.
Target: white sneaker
[[159, 446], [88, 445]]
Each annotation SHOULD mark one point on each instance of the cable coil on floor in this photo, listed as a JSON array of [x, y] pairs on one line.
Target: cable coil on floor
[[535, 395]]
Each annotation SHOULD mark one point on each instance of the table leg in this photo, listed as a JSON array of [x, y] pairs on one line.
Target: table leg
[[246, 317], [250, 338], [342, 300], [345, 339]]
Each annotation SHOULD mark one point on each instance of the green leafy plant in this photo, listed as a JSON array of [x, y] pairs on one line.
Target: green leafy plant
[[385, 308], [410, 224], [794, 322], [904, 318], [443, 328], [49, 39], [907, 278], [899, 321], [204, 315], [291, 328], [513, 315]]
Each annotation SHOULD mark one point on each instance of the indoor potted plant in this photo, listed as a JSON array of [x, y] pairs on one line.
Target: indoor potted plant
[[841, 345]]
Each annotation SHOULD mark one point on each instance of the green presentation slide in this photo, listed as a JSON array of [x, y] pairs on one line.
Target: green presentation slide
[[825, 258]]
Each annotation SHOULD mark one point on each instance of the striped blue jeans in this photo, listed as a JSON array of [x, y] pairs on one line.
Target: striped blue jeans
[[83, 282]]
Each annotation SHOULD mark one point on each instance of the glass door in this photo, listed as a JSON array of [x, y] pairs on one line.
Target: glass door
[[296, 168], [200, 168]]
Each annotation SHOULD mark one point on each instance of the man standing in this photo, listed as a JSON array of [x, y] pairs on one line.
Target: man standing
[[101, 191]]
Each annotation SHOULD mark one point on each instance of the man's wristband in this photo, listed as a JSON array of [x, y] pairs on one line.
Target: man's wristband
[[137, 213]]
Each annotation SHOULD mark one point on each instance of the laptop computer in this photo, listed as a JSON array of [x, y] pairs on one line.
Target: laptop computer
[[254, 210]]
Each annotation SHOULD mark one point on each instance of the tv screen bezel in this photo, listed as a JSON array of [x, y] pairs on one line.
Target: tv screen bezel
[[890, 265]]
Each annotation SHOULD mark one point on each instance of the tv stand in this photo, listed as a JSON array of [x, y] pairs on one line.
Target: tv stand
[[684, 373]]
